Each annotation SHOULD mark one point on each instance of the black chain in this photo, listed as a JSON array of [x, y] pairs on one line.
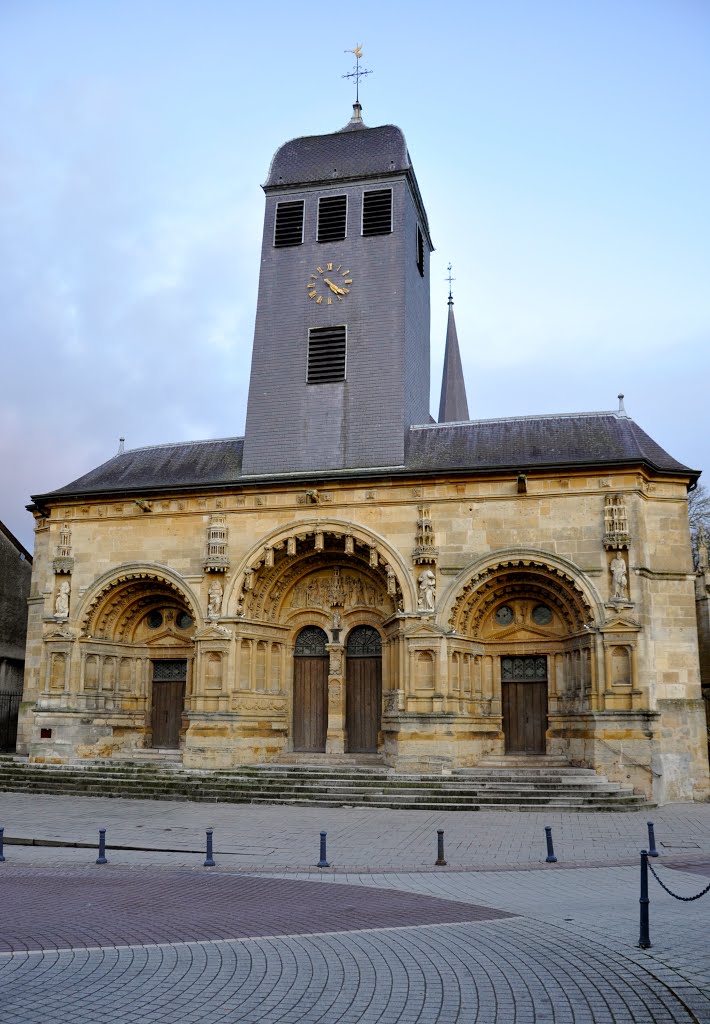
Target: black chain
[[685, 899]]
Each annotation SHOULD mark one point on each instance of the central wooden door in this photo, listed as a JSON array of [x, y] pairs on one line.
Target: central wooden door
[[363, 690], [168, 702], [310, 690], [524, 684]]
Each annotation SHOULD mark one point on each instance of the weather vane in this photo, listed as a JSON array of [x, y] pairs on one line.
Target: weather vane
[[357, 72], [450, 279]]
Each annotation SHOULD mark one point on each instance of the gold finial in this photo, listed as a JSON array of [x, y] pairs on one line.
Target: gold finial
[[357, 72]]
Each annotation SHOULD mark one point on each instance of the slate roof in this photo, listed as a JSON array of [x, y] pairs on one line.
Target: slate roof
[[516, 444], [358, 153], [453, 405]]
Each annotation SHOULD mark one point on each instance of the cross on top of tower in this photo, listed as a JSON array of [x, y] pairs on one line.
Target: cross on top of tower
[[450, 279], [357, 72]]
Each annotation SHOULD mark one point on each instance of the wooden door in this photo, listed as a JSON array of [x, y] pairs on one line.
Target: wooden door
[[310, 704], [364, 699], [363, 690], [168, 702], [310, 691], [524, 685]]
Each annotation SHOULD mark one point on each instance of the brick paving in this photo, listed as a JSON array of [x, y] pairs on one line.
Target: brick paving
[[51, 908], [496, 938]]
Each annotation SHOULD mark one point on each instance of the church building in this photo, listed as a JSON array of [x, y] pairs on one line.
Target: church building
[[352, 579]]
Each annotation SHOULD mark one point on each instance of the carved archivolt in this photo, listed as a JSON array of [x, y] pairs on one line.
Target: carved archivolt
[[362, 559], [121, 598], [513, 578]]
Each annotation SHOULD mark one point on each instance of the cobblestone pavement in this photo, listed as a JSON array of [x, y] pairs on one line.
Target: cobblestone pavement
[[496, 938], [252, 838]]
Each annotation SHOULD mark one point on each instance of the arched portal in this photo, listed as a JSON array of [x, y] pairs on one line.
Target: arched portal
[[363, 690], [310, 690], [138, 652], [526, 624]]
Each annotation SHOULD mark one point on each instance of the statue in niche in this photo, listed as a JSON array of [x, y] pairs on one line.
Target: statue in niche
[[61, 605], [619, 577], [427, 591], [214, 600]]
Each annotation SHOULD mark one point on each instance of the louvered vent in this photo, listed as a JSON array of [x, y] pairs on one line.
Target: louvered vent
[[289, 224], [332, 214], [377, 212], [326, 354]]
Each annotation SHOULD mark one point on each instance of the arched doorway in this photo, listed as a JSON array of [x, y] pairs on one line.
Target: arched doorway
[[363, 689], [138, 653], [524, 623], [310, 690]]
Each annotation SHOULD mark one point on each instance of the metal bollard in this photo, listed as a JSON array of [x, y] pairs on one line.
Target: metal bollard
[[209, 859], [101, 859], [322, 863], [652, 851], [644, 936], [550, 859], [2, 835], [440, 848]]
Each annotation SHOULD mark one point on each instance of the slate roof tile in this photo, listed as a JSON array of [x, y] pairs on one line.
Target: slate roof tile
[[506, 445]]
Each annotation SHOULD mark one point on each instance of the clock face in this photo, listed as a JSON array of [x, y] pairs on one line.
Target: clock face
[[504, 615], [330, 283]]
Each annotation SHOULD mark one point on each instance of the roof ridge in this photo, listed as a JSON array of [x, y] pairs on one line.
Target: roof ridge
[[520, 419], [176, 444]]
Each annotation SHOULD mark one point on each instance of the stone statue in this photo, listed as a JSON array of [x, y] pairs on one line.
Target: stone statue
[[61, 605], [214, 601], [427, 591], [619, 578]]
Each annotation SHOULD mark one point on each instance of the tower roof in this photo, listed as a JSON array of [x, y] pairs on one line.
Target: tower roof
[[340, 156], [453, 407]]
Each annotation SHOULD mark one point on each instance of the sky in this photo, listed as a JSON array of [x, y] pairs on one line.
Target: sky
[[562, 148]]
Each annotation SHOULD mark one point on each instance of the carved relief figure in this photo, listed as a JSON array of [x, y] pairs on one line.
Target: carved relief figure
[[619, 578], [61, 605], [214, 601], [427, 591]]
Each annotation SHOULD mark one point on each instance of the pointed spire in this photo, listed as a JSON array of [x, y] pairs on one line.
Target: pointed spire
[[453, 407]]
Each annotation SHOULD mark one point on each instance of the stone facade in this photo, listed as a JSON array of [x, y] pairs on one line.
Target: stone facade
[[623, 681], [437, 594]]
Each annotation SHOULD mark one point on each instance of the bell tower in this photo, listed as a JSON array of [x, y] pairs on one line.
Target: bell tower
[[340, 364]]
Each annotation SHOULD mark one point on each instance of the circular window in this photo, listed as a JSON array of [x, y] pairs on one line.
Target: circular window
[[542, 615], [183, 620], [504, 615], [154, 619]]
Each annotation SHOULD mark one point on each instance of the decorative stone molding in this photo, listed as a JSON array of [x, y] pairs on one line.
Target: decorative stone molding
[[110, 593], [217, 559], [552, 583], [64, 563], [393, 702], [261, 584], [616, 525], [425, 552]]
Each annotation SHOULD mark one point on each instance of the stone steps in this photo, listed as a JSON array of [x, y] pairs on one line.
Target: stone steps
[[561, 788]]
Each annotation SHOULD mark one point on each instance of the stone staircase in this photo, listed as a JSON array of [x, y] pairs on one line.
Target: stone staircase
[[512, 787]]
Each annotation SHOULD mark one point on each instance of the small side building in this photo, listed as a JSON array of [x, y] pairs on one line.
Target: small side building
[[15, 577]]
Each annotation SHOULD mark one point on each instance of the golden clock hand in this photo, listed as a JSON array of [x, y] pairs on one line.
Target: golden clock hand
[[333, 287]]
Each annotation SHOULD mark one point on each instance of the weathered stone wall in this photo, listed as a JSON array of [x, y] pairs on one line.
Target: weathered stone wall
[[624, 686]]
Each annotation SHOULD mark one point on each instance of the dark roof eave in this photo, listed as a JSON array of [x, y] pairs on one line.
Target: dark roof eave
[[397, 472]]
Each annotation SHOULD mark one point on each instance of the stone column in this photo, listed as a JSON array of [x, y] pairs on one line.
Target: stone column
[[335, 738]]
